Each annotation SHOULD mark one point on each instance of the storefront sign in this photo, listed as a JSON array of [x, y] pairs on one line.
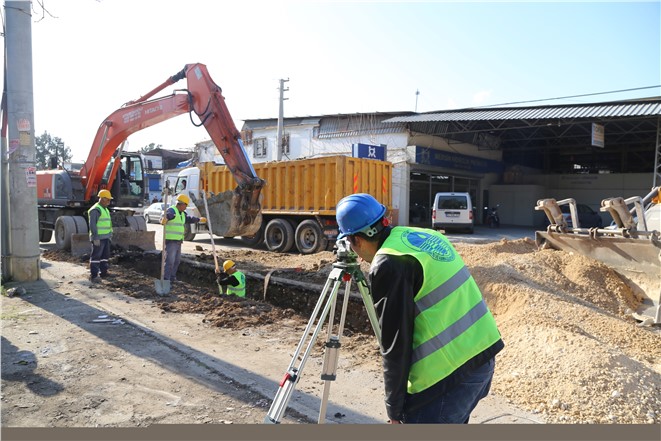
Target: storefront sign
[[456, 161], [369, 151]]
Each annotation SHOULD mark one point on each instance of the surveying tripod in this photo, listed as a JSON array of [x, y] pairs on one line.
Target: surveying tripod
[[345, 268]]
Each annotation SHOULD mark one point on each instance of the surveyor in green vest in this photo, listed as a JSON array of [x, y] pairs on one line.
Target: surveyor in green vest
[[233, 279], [439, 339], [174, 219], [100, 234]]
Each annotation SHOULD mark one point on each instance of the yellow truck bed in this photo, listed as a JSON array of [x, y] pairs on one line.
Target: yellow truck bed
[[310, 186]]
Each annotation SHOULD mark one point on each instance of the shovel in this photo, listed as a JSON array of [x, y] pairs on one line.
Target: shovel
[[162, 286], [213, 245]]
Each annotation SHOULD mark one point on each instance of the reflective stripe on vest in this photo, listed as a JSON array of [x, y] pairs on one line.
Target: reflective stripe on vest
[[103, 224], [453, 323], [174, 229], [239, 290]]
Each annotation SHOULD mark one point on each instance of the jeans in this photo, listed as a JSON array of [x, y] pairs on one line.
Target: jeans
[[172, 259], [456, 405]]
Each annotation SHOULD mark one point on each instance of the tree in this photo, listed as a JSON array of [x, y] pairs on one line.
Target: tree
[[51, 147], [149, 147]]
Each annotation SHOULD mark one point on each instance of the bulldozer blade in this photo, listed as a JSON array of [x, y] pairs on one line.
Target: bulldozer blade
[[162, 287], [638, 260], [232, 214], [123, 237]]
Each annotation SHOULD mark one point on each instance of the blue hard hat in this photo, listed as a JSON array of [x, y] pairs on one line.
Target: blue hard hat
[[356, 213]]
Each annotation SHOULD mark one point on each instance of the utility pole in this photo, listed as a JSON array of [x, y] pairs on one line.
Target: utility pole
[[278, 141], [417, 92], [22, 252]]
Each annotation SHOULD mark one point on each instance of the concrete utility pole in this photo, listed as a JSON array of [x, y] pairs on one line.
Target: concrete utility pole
[[417, 92], [23, 244], [278, 141]]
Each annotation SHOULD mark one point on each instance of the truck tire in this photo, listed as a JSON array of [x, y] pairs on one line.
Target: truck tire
[[188, 234], [309, 237], [136, 223], [279, 236], [45, 235], [65, 226], [81, 224], [254, 240]]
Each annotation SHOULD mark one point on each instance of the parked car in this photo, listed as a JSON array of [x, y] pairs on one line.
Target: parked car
[[154, 212], [587, 217]]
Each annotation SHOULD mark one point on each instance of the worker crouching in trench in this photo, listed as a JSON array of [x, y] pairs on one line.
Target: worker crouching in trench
[[232, 279]]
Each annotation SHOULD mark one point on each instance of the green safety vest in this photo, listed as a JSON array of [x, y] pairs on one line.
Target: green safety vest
[[174, 229], [239, 290], [453, 323], [103, 224]]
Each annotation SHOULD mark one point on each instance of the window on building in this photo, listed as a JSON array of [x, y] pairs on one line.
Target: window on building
[[259, 146]]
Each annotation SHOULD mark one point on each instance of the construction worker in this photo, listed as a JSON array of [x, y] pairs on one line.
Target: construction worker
[[100, 234], [233, 279], [174, 219], [439, 339]]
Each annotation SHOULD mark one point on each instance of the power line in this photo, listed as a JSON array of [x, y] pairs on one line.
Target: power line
[[570, 96]]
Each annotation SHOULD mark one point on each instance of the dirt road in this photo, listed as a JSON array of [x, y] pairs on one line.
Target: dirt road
[[573, 353]]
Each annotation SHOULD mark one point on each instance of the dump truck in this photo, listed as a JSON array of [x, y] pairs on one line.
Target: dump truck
[[298, 204], [631, 245], [64, 197]]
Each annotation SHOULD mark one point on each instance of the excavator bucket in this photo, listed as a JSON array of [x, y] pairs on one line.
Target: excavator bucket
[[635, 254], [232, 213]]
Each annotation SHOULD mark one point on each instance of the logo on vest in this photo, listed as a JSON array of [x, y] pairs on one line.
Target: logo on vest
[[429, 244]]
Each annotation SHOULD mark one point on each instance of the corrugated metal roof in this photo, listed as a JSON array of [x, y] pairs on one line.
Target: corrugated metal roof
[[650, 107]]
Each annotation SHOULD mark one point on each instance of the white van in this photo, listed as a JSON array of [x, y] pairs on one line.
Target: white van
[[452, 211]]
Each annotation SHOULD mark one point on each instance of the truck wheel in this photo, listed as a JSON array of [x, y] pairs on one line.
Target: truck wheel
[[279, 236], [309, 237], [254, 240], [188, 234], [65, 226], [45, 235], [136, 223], [81, 224]]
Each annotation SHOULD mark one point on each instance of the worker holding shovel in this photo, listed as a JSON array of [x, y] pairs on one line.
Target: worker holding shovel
[[174, 220], [234, 279]]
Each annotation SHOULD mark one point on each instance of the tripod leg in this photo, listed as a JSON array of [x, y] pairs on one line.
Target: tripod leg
[[293, 374], [332, 353]]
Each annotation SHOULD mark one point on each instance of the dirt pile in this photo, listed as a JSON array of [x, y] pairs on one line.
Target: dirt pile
[[573, 352]]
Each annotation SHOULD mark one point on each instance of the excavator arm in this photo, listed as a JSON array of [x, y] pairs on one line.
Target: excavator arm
[[204, 98]]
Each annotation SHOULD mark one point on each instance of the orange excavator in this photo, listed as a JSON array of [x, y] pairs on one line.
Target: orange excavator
[[65, 196]]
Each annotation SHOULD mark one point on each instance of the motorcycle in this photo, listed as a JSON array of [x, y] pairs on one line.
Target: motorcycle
[[493, 220]]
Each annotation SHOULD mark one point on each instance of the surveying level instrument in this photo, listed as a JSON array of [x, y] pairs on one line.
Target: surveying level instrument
[[345, 269]]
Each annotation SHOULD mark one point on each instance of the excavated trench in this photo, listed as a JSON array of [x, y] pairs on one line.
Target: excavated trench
[[277, 287]]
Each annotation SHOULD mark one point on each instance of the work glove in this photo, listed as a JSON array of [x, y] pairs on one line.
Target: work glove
[[164, 220], [221, 276], [97, 243], [203, 220]]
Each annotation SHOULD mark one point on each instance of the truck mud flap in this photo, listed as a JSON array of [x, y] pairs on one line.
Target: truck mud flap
[[232, 214], [123, 237]]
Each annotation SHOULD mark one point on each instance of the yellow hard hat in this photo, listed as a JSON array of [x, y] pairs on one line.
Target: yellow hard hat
[[105, 194], [227, 265], [182, 198]]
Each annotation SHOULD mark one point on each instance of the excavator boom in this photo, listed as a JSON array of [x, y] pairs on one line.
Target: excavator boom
[[240, 208]]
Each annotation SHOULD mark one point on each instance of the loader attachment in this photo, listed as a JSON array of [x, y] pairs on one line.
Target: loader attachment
[[634, 254], [124, 237], [232, 213]]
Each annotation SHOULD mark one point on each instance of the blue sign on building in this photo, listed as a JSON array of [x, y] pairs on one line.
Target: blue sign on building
[[456, 161], [369, 151]]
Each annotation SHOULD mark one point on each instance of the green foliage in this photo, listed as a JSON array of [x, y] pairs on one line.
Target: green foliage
[[149, 147], [47, 147]]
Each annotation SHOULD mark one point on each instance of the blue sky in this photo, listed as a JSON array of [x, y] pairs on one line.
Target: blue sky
[[90, 57]]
